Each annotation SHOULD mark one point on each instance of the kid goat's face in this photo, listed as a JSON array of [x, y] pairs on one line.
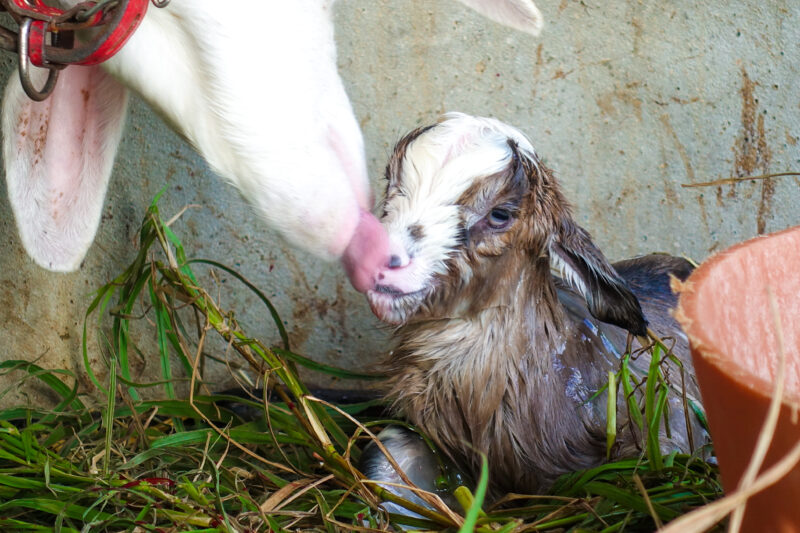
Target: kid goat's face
[[454, 197]]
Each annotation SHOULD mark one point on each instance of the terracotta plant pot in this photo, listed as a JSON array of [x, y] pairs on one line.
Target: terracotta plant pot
[[726, 312]]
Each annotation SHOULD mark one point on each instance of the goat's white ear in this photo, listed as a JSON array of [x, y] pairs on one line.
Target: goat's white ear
[[521, 15], [58, 156], [580, 263]]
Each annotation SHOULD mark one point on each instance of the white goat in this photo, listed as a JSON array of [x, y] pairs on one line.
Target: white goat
[[252, 85]]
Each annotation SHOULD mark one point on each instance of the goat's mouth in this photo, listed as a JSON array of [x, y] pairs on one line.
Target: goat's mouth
[[394, 306]]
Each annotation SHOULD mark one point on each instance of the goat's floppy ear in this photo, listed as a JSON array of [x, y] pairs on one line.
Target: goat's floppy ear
[[584, 266], [522, 15], [58, 156]]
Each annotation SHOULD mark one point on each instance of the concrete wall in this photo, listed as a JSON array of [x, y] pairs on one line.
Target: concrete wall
[[627, 100]]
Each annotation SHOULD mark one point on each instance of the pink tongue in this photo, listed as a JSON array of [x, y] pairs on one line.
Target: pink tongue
[[367, 253]]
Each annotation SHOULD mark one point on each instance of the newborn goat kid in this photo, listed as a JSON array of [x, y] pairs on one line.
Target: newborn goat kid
[[496, 354]]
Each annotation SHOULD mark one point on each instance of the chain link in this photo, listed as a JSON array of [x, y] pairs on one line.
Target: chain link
[[103, 5]]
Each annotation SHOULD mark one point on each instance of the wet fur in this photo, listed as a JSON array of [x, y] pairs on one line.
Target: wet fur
[[502, 355]]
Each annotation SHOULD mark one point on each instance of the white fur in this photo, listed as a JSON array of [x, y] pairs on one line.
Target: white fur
[[446, 162], [57, 176], [254, 87], [567, 273]]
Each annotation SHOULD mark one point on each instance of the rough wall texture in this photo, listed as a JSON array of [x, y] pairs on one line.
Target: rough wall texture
[[626, 100]]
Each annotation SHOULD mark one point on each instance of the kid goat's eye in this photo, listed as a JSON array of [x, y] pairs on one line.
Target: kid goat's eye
[[498, 218]]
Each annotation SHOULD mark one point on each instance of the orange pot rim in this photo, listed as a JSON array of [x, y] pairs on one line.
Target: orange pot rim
[[688, 305]]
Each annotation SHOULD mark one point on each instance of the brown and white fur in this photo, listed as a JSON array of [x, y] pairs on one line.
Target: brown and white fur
[[510, 318]]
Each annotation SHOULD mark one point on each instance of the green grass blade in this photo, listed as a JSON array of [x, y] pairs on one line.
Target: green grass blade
[[326, 369], [259, 294], [48, 377], [628, 388], [611, 414], [162, 327], [628, 499], [471, 518], [653, 393]]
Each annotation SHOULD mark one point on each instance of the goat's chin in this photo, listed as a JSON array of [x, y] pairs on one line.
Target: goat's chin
[[395, 309]]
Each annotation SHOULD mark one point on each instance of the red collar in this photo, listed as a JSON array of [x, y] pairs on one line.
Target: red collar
[[116, 21]]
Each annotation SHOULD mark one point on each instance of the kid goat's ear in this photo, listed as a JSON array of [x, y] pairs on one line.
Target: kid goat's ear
[[586, 269], [572, 252]]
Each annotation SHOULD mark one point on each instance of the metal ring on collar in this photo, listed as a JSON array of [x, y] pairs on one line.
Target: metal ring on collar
[[24, 67]]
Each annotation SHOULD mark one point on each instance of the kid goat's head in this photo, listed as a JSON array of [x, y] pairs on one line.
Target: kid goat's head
[[475, 220]]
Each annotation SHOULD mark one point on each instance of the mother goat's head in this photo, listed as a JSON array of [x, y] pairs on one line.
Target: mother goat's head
[[261, 101]]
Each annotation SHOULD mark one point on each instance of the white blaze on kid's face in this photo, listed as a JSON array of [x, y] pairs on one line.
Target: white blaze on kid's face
[[423, 218]]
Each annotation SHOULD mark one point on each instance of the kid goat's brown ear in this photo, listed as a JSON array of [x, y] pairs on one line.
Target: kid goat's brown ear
[[584, 266], [572, 252]]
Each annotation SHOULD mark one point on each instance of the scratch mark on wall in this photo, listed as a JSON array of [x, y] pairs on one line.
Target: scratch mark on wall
[[687, 164], [627, 96], [537, 70], [560, 74], [751, 152], [638, 33]]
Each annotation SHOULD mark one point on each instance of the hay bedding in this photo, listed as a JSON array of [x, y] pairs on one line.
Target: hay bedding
[[193, 464]]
